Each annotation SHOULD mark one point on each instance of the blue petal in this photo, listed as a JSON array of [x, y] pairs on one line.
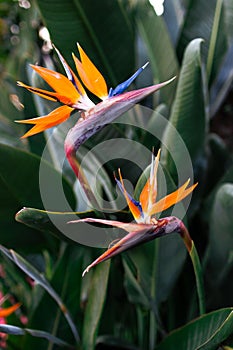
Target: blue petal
[[136, 203], [123, 86]]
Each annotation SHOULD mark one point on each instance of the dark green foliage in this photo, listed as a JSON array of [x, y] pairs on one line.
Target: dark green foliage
[[145, 298]]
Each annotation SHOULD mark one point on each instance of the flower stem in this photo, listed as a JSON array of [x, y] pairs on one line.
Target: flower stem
[[196, 266], [71, 157]]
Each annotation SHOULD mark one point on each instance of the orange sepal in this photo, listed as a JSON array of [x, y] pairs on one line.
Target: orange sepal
[[90, 75], [49, 95], [59, 83], [56, 117], [149, 191], [9, 310], [144, 196], [172, 198]]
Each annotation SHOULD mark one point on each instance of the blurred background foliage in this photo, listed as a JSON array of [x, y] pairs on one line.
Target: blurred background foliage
[[135, 301]]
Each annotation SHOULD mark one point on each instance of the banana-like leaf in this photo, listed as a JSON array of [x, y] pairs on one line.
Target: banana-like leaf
[[103, 28], [54, 223], [202, 20], [20, 186], [161, 52], [180, 142], [96, 299], [209, 201], [220, 257], [174, 15], [204, 333]]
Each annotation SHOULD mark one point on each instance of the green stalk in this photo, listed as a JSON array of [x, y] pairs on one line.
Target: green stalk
[[196, 266], [199, 278], [153, 322], [140, 326]]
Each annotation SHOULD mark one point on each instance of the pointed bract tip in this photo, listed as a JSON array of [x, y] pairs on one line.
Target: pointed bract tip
[[85, 271], [19, 83], [145, 65], [173, 78]]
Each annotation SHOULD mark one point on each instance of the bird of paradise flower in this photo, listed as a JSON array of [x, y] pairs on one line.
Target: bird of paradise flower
[[70, 92], [146, 227]]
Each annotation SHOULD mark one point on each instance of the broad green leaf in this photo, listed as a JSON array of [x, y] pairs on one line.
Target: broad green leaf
[[54, 223], [209, 201], [217, 28], [22, 183], [220, 253], [156, 125], [174, 16], [205, 333], [188, 114], [218, 160], [222, 84], [136, 292], [32, 272], [162, 56], [13, 330], [153, 259], [199, 22], [95, 304], [103, 29]]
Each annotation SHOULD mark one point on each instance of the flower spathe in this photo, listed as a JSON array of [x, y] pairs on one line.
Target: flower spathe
[[146, 227], [69, 91]]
